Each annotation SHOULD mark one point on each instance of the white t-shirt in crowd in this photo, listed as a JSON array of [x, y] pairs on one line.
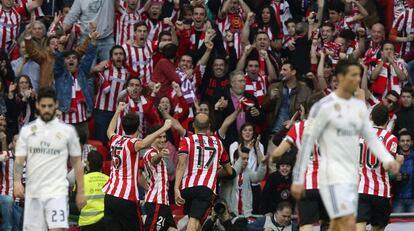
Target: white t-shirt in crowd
[[47, 147]]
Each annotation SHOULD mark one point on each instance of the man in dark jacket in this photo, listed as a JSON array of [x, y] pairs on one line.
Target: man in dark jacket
[[284, 98], [233, 98], [406, 114]]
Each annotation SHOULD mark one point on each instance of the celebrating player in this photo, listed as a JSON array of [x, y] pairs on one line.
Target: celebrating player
[[336, 122], [159, 216], [374, 205], [121, 208], [196, 176], [45, 145], [311, 208]]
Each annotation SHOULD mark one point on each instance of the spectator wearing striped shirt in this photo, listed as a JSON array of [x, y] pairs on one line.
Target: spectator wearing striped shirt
[[10, 20], [73, 87]]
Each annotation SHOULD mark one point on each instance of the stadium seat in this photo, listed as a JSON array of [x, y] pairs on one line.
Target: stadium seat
[[91, 127]]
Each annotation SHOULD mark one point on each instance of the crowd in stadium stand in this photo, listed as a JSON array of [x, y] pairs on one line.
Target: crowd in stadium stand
[[251, 66]]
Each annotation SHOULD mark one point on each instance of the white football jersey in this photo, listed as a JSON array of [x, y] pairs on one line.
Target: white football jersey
[[337, 124], [47, 147]]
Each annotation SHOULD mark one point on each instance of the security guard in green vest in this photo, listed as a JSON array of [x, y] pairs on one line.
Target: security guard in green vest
[[91, 216]]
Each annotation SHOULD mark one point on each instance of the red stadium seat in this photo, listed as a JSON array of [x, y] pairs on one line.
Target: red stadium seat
[[106, 167], [91, 127], [101, 148]]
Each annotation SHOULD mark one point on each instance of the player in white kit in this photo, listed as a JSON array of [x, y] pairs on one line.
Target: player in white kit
[[337, 122], [45, 145]]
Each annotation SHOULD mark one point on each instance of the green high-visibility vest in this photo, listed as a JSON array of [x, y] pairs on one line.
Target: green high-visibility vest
[[94, 208]]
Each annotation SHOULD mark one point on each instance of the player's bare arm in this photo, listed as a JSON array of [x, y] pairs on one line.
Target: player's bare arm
[[31, 6], [112, 125], [76, 162], [148, 140], [280, 150], [182, 159], [18, 173], [161, 154]]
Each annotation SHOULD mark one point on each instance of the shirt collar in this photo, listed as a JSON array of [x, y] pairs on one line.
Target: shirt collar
[[42, 123]]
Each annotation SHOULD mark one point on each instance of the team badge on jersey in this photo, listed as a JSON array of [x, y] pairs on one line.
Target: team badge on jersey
[[337, 107], [34, 129]]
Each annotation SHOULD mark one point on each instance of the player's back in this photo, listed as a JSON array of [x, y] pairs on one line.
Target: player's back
[[339, 139], [122, 182], [295, 136], [374, 178], [205, 154]]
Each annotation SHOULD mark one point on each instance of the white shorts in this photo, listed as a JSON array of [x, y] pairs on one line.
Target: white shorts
[[339, 199], [46, 213]]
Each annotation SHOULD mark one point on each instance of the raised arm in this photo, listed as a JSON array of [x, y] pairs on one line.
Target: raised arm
[[245, 7], [73, 16], [242, 62], [246, 30], [31, 6], [272, 76], [280, 150], [112, 125], [204, 59], [148, 140], [224, 9], [362, 11], [227, 122]]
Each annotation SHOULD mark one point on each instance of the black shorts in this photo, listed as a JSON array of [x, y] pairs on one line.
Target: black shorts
[[311, 208], [122, 215], [374, 210], [198, 201], [159, 217]]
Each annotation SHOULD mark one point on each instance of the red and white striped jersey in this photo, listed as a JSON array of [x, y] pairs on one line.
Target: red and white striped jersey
[[77, 111], [232, 22], [140, 59], [404, 24], [112, 82], [345, 23], [205, 154], [371, 55], [123, 180], [10, 26], [237, 45], [6, 175], [155, 27], [295, 136], [257, 87], [387, 79], [136, 107], [373, 178], [38, 11], [124, 24], [282, 11], [157, 177]]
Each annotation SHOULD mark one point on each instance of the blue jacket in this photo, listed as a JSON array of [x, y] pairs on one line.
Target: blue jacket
[[63, 79]]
